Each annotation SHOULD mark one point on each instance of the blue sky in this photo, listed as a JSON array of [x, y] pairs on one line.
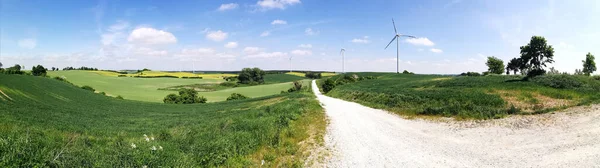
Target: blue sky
[[454, 36]]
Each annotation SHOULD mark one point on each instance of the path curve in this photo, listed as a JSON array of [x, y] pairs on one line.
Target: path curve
[[360, 136]]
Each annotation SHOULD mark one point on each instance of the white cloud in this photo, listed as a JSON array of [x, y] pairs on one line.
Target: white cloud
[[278, 22], [435, 50], [276, 4], [119, 26], [28, 43], [305, 45], [231, 45], [267, 55], [301, 52], [228, 6], [144, 51], [420, 41], [252, 50], [216, 35], [363, 40], [310, 32], [265, 34], [196, 52], [151, 36]]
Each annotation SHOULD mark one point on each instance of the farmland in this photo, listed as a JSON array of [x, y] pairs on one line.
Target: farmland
[[50, 123], [468, 97], [147, 89]]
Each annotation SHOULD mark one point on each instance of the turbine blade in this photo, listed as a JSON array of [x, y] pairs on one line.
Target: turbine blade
[[408, 36], [390, 42], [394, 26]]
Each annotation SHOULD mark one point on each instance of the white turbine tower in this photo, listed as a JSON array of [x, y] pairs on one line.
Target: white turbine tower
[[397, 37], [343, 62], [290, 63]]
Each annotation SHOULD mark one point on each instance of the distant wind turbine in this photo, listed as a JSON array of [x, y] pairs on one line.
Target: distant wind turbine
[[290, 63], [397, 37], [342, 53]]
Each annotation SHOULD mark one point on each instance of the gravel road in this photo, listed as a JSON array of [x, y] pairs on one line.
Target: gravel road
[[360, 136]]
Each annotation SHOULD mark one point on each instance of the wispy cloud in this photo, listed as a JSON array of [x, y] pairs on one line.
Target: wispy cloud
[[363, 40], [310, 32], [276, 4], [29, 43], [216, 35], [231, 45], [229, 6], [278, 22], [305, 45], [420, 41], [435, 50]]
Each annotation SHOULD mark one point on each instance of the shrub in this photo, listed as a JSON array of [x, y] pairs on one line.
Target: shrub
[[119, 97], [236, 96], [597, 77], [103, 93], [558, 81], [251, 75], [297, 87], [38, 71], [122, 76], [406, 72], [328, 85], [535, 72], [228, 84], [86, 87], [313, 75], [186, 96], [470, 74], [230, 78]]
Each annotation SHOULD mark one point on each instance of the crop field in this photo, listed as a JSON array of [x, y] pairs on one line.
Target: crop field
[[469, 97], [160, 73], [50, 123], [325, 74], [147, 89]]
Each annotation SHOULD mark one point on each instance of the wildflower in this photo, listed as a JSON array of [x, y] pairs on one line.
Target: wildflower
[[145, 135], [262, 162], [153, 148], [144, 166], [160, 147], [147, 139], [133, 145], [152, 138]]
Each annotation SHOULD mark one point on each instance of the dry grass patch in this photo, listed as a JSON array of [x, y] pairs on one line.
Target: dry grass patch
[[530, 101]]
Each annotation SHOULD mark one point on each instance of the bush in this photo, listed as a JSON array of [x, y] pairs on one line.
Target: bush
[[535, 72], [186, 96], [470, 74], [191, 77], [558, 81], [236, 96], [230, 78], [86, 87], [328, 85], [406, 72], [119, 97], [228, 84], [313, 75], [597, 77], [38, 71], [103, 93], [122, 76], [297, 87], [251, 75]]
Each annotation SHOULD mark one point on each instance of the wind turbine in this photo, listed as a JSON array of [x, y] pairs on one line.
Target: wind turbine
[[343, 62], [290, 63], [397, 37]]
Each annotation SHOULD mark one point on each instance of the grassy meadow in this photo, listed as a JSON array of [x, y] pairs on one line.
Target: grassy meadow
[[161, 73], [468, 97], [149, 89], [49, 123]]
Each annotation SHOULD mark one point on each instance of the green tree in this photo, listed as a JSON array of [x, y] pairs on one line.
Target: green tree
[[186, 96], [328, 85], [171, 99], [495, 65], [38, 70], [513, 65], [589, 64], [536, 55], [236, 96], [251, 75]]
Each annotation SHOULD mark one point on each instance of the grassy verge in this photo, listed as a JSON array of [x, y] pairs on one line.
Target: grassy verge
[[49, 123], [468, 97]]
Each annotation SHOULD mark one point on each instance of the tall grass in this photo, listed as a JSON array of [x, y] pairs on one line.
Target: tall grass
[[53, 124]]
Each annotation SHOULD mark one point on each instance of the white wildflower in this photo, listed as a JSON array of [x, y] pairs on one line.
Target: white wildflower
[[152, 138], [145, 135], [144, 166], [147, 139], [160, 147], [153, 148], [262, 162], [133, 145]]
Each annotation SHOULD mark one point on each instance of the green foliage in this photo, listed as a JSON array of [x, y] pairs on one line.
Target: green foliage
[[38, 71], [236, 96], [103, 93], [13, 70], [297, 87], [251, 75], [281, 78], [230, 78], [86, 87], [186, 96], [328, 85], [461, 97], [313, 75], [589, 64], [119, 97], [535, 55], [54, 124], [515, 65], [470, 74], [495, 65], [406, 72]]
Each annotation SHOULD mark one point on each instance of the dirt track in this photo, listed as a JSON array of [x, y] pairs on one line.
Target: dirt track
[[360, 136]]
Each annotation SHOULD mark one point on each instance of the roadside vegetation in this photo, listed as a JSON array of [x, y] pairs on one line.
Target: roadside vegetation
[[474, 95], [51, 123]]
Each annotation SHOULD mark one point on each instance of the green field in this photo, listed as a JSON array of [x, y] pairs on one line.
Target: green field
[[147, 89], [469, 97], [49, 123]]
